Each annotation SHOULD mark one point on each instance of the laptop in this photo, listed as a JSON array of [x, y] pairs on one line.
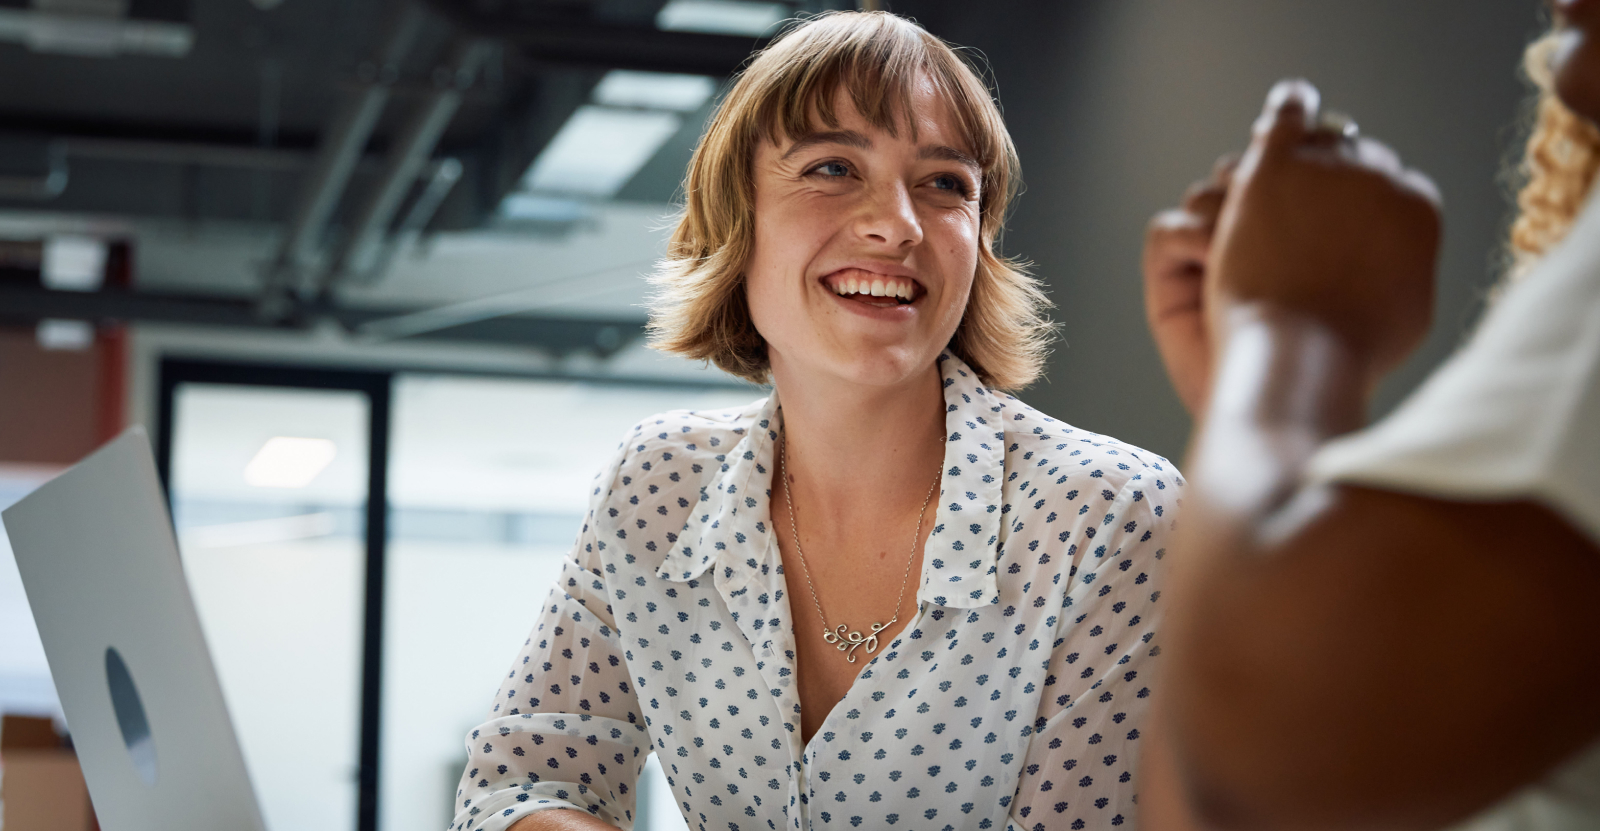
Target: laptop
[[100, 565]]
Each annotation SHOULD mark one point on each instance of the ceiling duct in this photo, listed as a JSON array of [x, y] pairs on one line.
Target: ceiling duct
[[99, 28]]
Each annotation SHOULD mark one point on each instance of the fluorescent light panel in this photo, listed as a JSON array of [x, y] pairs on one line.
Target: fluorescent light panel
[[74, 263], [599, 149], [288, 462], [65, 335], [723, 17], [537, 207], [653, 90]]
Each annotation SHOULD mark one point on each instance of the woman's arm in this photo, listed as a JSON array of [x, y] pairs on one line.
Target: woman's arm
[[563, 820], [1349, 657], [1081, 766], [566, 735], [1345, 657]]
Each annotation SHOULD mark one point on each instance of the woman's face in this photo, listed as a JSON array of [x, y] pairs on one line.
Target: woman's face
[[1577, 59], [865, 245]]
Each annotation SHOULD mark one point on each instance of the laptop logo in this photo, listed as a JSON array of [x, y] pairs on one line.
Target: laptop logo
[[130, 716]]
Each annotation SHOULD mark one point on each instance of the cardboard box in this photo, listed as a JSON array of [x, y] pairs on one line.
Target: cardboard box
[[41, 785]]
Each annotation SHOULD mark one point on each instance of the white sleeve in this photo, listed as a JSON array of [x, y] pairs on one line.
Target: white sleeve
[[1515, 415], [565, 729]]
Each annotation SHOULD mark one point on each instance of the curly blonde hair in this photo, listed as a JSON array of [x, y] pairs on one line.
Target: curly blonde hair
[[1557, 168], [700, 309]]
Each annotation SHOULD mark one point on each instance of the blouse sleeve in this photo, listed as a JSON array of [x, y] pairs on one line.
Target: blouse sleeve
[[565, 730], [1080, 766]]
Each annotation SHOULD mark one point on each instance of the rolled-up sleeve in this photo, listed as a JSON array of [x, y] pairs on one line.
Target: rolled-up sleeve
[[565, 730], [1080, 766]]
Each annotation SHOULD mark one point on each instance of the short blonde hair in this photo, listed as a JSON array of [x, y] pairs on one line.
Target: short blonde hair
[[701, 310], [1557, 169]]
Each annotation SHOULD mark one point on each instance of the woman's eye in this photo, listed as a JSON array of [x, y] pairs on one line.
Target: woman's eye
[[832, 169], [950, 183]]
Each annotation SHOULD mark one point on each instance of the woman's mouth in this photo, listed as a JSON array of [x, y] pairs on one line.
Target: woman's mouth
[[873, 289]]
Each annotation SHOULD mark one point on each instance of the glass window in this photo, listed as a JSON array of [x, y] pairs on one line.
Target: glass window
[[269, 486], [489, 481]]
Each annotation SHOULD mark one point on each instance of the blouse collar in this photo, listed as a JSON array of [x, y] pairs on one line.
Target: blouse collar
[[729, 526]]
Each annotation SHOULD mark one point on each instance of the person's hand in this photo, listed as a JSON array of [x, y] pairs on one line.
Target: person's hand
[[1177, 243], [1326, 228]]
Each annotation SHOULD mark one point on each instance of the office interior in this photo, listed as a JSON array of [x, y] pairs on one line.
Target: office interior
[[371, 274]]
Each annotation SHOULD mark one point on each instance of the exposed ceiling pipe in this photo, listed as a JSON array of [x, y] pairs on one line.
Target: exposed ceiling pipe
[[187, 153], [337, 154], [45, 187], [417, 139], [446, 172], [600, 45]]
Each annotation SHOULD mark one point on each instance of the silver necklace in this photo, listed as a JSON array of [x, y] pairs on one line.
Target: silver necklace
[[844, 639]]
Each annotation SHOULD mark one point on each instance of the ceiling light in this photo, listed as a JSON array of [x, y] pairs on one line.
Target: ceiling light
[[96, 28], [538, 208], [64, 335], [654, 90], [73, 263], [285, 462], [723, 17], [599, 149]]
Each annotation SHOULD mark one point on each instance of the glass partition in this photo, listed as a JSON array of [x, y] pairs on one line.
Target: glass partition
[[268, 488], [489, 481]]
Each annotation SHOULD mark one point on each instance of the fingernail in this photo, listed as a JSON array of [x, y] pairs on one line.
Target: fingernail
[[1296, 93]]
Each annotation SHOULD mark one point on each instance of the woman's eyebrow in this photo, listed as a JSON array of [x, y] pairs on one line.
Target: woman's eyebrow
[[849, 138], [941, 152]]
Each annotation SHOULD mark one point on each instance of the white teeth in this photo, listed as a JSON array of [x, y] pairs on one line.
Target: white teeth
[[875, 288]]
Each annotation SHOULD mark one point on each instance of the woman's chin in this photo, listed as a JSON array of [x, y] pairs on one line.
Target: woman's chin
[[868, 364]]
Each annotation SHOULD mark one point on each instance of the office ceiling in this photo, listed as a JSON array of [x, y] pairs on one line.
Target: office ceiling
[[300, 158]]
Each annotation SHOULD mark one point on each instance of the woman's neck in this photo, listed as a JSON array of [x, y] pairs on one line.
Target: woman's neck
[[857, 451]]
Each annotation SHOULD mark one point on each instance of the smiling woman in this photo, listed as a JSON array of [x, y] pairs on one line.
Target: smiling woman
[[741, 599]]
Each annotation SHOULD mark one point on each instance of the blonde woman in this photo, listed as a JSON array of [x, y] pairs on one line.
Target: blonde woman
[[1395, 627], [890, 595]]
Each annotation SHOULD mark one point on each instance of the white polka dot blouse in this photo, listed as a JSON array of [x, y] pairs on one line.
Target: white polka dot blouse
[[1014, 700]]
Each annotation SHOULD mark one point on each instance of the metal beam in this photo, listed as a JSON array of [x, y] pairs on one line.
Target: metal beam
[[336, 159], [200, 154], [410, 153], [45, 187], [604, 46], [27, 305]]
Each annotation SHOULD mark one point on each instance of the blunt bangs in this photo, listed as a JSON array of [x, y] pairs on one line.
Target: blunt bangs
[[700, 309]]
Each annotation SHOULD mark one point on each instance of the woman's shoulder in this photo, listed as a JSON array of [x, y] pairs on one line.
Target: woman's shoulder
[[1071, 457], [694, 436], [662, 461]]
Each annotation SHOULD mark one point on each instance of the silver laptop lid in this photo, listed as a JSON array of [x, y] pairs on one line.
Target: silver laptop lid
[[100, 565]]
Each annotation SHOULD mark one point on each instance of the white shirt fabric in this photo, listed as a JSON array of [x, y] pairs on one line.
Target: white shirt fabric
[[1514, 416], [1013, 700]]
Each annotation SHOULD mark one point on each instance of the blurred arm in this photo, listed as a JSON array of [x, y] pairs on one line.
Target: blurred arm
[[1345, 657]]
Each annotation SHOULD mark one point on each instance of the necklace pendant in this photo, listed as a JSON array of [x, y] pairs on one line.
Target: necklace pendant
[[848, 642]]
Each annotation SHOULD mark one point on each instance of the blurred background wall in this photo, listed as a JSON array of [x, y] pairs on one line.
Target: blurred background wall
[[1117, 106], [417, 230]]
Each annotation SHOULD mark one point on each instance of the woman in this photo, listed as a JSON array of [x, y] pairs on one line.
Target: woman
[[1395, 628], [888, 595]]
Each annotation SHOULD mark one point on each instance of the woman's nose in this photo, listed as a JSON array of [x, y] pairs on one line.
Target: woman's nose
[[888, 217]]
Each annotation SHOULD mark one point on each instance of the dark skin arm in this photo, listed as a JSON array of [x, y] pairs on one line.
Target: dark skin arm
[[1343, 657]]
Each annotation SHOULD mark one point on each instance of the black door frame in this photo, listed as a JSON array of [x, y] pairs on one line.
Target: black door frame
[[378, 386]]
